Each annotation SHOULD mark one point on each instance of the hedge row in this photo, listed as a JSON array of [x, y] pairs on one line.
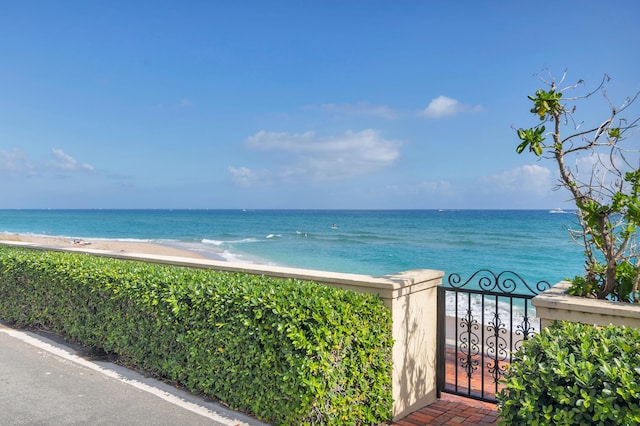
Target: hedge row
[[574, 374], [287, 351]]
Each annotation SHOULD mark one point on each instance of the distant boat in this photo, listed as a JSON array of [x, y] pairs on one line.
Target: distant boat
[[557, 211]]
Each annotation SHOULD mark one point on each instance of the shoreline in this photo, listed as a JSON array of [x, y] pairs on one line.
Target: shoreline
[[152, 248], [108, 245]]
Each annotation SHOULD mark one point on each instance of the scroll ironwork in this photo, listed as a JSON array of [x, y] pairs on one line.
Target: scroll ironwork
[[489, 316]]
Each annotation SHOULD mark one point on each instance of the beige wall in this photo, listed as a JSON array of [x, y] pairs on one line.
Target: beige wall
[[414, 314], [411, 296], [554, 304]]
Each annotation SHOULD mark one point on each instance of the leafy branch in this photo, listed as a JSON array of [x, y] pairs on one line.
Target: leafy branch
[[606, 196]]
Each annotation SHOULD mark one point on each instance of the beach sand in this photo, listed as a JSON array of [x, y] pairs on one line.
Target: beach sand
[[144, 248], [104, 245]]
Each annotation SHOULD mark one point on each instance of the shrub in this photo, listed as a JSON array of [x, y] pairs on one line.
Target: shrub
[[574, 374], [287, 351]]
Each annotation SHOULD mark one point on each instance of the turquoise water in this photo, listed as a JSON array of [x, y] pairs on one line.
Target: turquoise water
[[533, 243]]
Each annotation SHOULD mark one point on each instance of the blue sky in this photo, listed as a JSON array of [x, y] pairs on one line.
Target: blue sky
[[292, 104]]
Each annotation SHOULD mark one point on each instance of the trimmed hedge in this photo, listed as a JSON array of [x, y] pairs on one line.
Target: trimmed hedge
[[574, 374], [287, 351]]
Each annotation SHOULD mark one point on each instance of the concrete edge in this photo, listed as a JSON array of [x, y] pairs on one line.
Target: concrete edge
[[198, 405], [387, 287], [556, 298]]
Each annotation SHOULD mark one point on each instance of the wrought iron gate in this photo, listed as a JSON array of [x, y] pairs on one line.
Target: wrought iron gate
[[481, 322]]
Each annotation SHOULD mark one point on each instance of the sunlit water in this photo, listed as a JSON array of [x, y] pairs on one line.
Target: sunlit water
[[533, 243]]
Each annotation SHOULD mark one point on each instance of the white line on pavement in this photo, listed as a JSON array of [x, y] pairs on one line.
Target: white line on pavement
[[221, 413]]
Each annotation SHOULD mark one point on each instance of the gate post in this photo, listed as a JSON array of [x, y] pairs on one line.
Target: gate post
[[413, 304], [441, 336]]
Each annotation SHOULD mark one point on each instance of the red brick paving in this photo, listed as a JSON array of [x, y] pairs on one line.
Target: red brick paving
[[481, 383], [455, 410]]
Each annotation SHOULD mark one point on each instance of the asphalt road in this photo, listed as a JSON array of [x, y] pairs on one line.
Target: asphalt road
[[46, 382]]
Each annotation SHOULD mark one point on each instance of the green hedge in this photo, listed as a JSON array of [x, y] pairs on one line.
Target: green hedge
[[574, 374], [287, 351]]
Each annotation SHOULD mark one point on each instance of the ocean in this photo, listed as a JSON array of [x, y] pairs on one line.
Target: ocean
[[533, 243]]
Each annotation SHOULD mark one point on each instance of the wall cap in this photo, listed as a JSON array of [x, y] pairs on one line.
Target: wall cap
[[556, 298], [388, 286]]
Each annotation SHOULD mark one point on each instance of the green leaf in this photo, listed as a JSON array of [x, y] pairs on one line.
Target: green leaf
[[521, 147], [285, 350], [614, 133], [537, 149], [575, 373]]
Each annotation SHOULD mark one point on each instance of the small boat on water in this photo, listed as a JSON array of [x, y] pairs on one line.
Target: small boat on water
[[557, 211]]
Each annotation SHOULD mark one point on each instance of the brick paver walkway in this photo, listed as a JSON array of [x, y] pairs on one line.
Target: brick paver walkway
[[452, 410], [456, 410]]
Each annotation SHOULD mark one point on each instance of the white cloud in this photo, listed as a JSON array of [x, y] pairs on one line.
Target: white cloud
[[435, 187], [308, 156], [245, 177], [64, 161], [15, 161], [526, 179], [443, 106], [603, 172], [362, 109]]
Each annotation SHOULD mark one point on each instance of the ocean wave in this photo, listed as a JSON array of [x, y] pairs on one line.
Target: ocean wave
[[369, 242], [511, 314], [222, 242], [130, 240], [232, 257]]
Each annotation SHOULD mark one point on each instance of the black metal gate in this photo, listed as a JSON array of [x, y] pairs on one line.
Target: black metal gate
[[481, 322]]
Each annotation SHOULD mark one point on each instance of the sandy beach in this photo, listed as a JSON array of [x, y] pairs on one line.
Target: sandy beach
[[144, 248], [105, 245]]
